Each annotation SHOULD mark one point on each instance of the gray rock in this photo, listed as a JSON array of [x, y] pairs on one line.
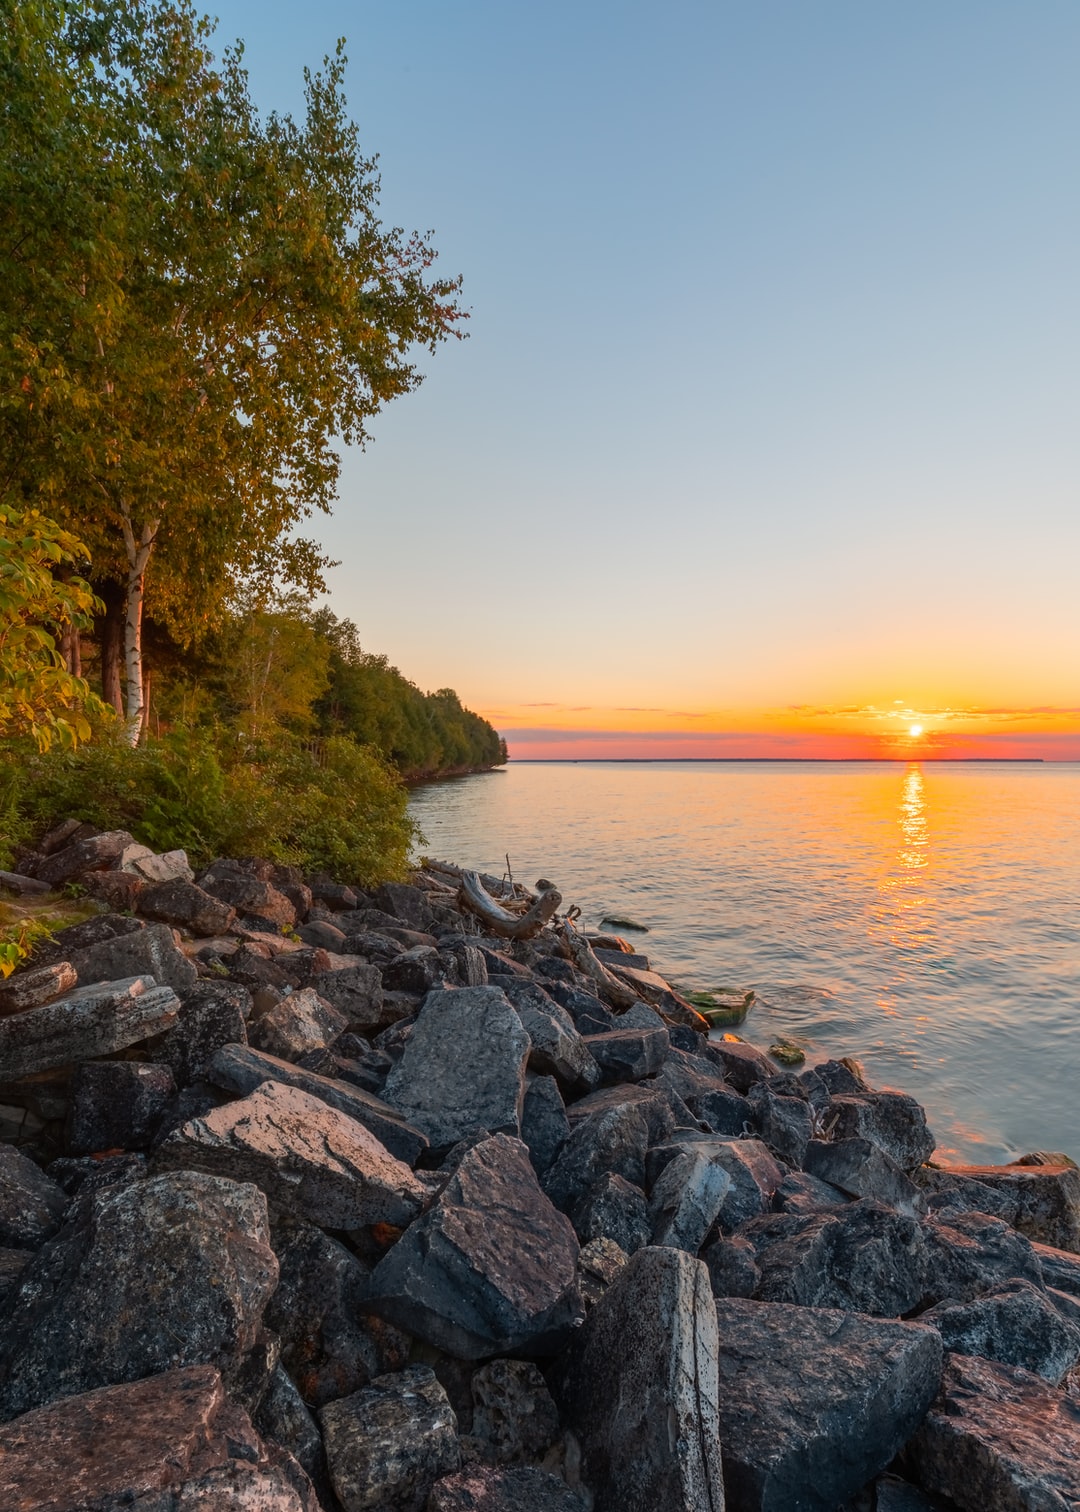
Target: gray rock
[[686, 1199], [22, 887], [1043, 1202], [357, 992], [1016, 1324], [463, 1066], [742, 1065], [309, 1159], [893, 1121], [815, 1403], [284, 1418], [557, 1048], [117, 1105], [37, 985], [172, 1441], [785, 1123], [83, 1024], [613, 1209], [93, 854], [211, 1014], [754, 1173], [863, 1258], [407, 903], [998, 1437], [415, 971], [891, 1494], [328, 1346], [799, 1193], [862, 1169], [250, 898], [298, 1024], [468, 965], [612, 1142], [481, 1488], [490, 1268], [628, 1054], [388, 1444], [239, 1069], [599, 1262], [92, 931], [1059, 1268], [972, 1254], [174, 1270], [732, 1266], [655, 1102], [169, 866], [545, 1127], [325, 936], [31, 1206], [181, 903], [640, 1388], [147, 952], [514, 1419]]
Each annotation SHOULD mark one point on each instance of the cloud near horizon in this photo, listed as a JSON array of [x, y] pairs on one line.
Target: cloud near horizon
[[546, 744]]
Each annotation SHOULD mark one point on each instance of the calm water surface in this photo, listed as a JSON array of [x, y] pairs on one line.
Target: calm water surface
[[923, 918]]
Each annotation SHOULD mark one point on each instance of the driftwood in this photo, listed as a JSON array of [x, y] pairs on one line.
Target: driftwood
[[608, 986], [495, 887], [499, 920]]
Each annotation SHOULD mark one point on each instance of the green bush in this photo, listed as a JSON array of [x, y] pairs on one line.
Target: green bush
[[342, 810]]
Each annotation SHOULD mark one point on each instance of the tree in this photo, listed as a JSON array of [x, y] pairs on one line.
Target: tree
[[235, 310], [39, 696]]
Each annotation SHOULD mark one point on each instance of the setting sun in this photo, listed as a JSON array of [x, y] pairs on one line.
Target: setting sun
[[915, 731]]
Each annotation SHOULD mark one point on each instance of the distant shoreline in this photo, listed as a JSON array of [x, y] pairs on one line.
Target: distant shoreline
[[787, 760]]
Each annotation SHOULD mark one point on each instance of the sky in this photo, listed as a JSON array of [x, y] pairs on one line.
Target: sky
[[764, 438]]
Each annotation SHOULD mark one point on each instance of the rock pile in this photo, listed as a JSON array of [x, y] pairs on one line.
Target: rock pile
[[317, 1198]]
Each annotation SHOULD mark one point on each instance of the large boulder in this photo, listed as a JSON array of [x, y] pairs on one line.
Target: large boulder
[[178, 901], [355, 989], [96, 853], [1016, 1324], [309, 1159], [612, 1142], [998, 1437], [893, 1121], [152, 951], [239, 1069], [973, 1253], [815, 1403], [862, 1169], [463, 1067], [640, 1389], [83, 1024], [300, 1023], [31, 1206], [686, 1200], [174, 1270], [250, 898], [211, 1014], [117, 1105], [490, 1268], [1042, 1201], [755, 1174], [174, 1440], [389, 1443]]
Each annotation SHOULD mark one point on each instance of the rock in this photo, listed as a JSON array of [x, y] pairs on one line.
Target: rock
[[514, 1419], [732, 1267], [88, 1022], [809, 1437], [1043, 1202], [178, 901], [785, 1122], [300, 1023], [754, 1173], [211, 1014], [469, 966], [843, 1078], [862, 1169], [557, 1048], [117, 1105], [96, 853], [640, 1388], [628, 1054], [80, 1175], [490, 1268], [239, 1069], [356, 991], [331, 895], [327, 1345], [416, 971], [972, 1254], [599, 1262], [613, 1209], [545, 1127], [39, 984], [463, 1067], [172, 1441], [324, 936], [12, 1264], [116, 889], [654, 1101], [891, 1494], [309, 1159], [251, 899], [409, 904], [613, 1142], [283, 1417], [173, 1270], [742, 1065], [31, 1206], [863, 1258], [588, 1013], [998, 1437], [685, 1201], [799, 1193], [151, 951], [93, 931], [388, 1444], [169, 866], [481, 1488], [1016, 1324], [1059, 1268], [22, 887], [893, 1121]]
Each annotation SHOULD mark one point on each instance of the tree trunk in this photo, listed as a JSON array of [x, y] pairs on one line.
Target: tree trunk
[[138, 554], [112, 636]]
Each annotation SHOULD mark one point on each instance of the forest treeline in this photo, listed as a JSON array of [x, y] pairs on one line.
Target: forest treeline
[[199, 306]]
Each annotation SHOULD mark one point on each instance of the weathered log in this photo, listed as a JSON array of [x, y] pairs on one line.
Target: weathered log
[[608, 986], [509, 926], [496, 887]]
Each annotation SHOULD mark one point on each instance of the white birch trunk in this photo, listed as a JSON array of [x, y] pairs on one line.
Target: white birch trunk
[[138, 555]]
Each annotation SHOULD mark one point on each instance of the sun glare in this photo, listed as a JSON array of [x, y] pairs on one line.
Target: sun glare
[[915, 731]]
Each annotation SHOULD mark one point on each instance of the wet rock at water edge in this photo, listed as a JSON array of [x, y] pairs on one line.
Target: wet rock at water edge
[[309, 1159], [810, 1437], [181, 903], [892, 1121], [481, 1488], [998, 1436], [463, 1066], [862, 1169], [388, 1444], [31, 1205], [298, 1024], [1042, 1202], [743, 1066], [1016, 1324], [151, 952], [489, 1268], [173, 1270], [83, 1024], [640, 1388], [117, 1105], [174, 1440]]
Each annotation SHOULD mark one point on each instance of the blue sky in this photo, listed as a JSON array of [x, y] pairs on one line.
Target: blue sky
[[771, 390]]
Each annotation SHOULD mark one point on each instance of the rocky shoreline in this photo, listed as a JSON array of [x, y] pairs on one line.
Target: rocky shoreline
[[428, 1199]]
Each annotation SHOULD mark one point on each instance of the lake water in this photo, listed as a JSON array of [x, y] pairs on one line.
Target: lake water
[[924, 918]]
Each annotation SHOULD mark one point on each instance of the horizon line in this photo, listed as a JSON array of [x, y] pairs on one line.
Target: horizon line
[[833, 760]]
